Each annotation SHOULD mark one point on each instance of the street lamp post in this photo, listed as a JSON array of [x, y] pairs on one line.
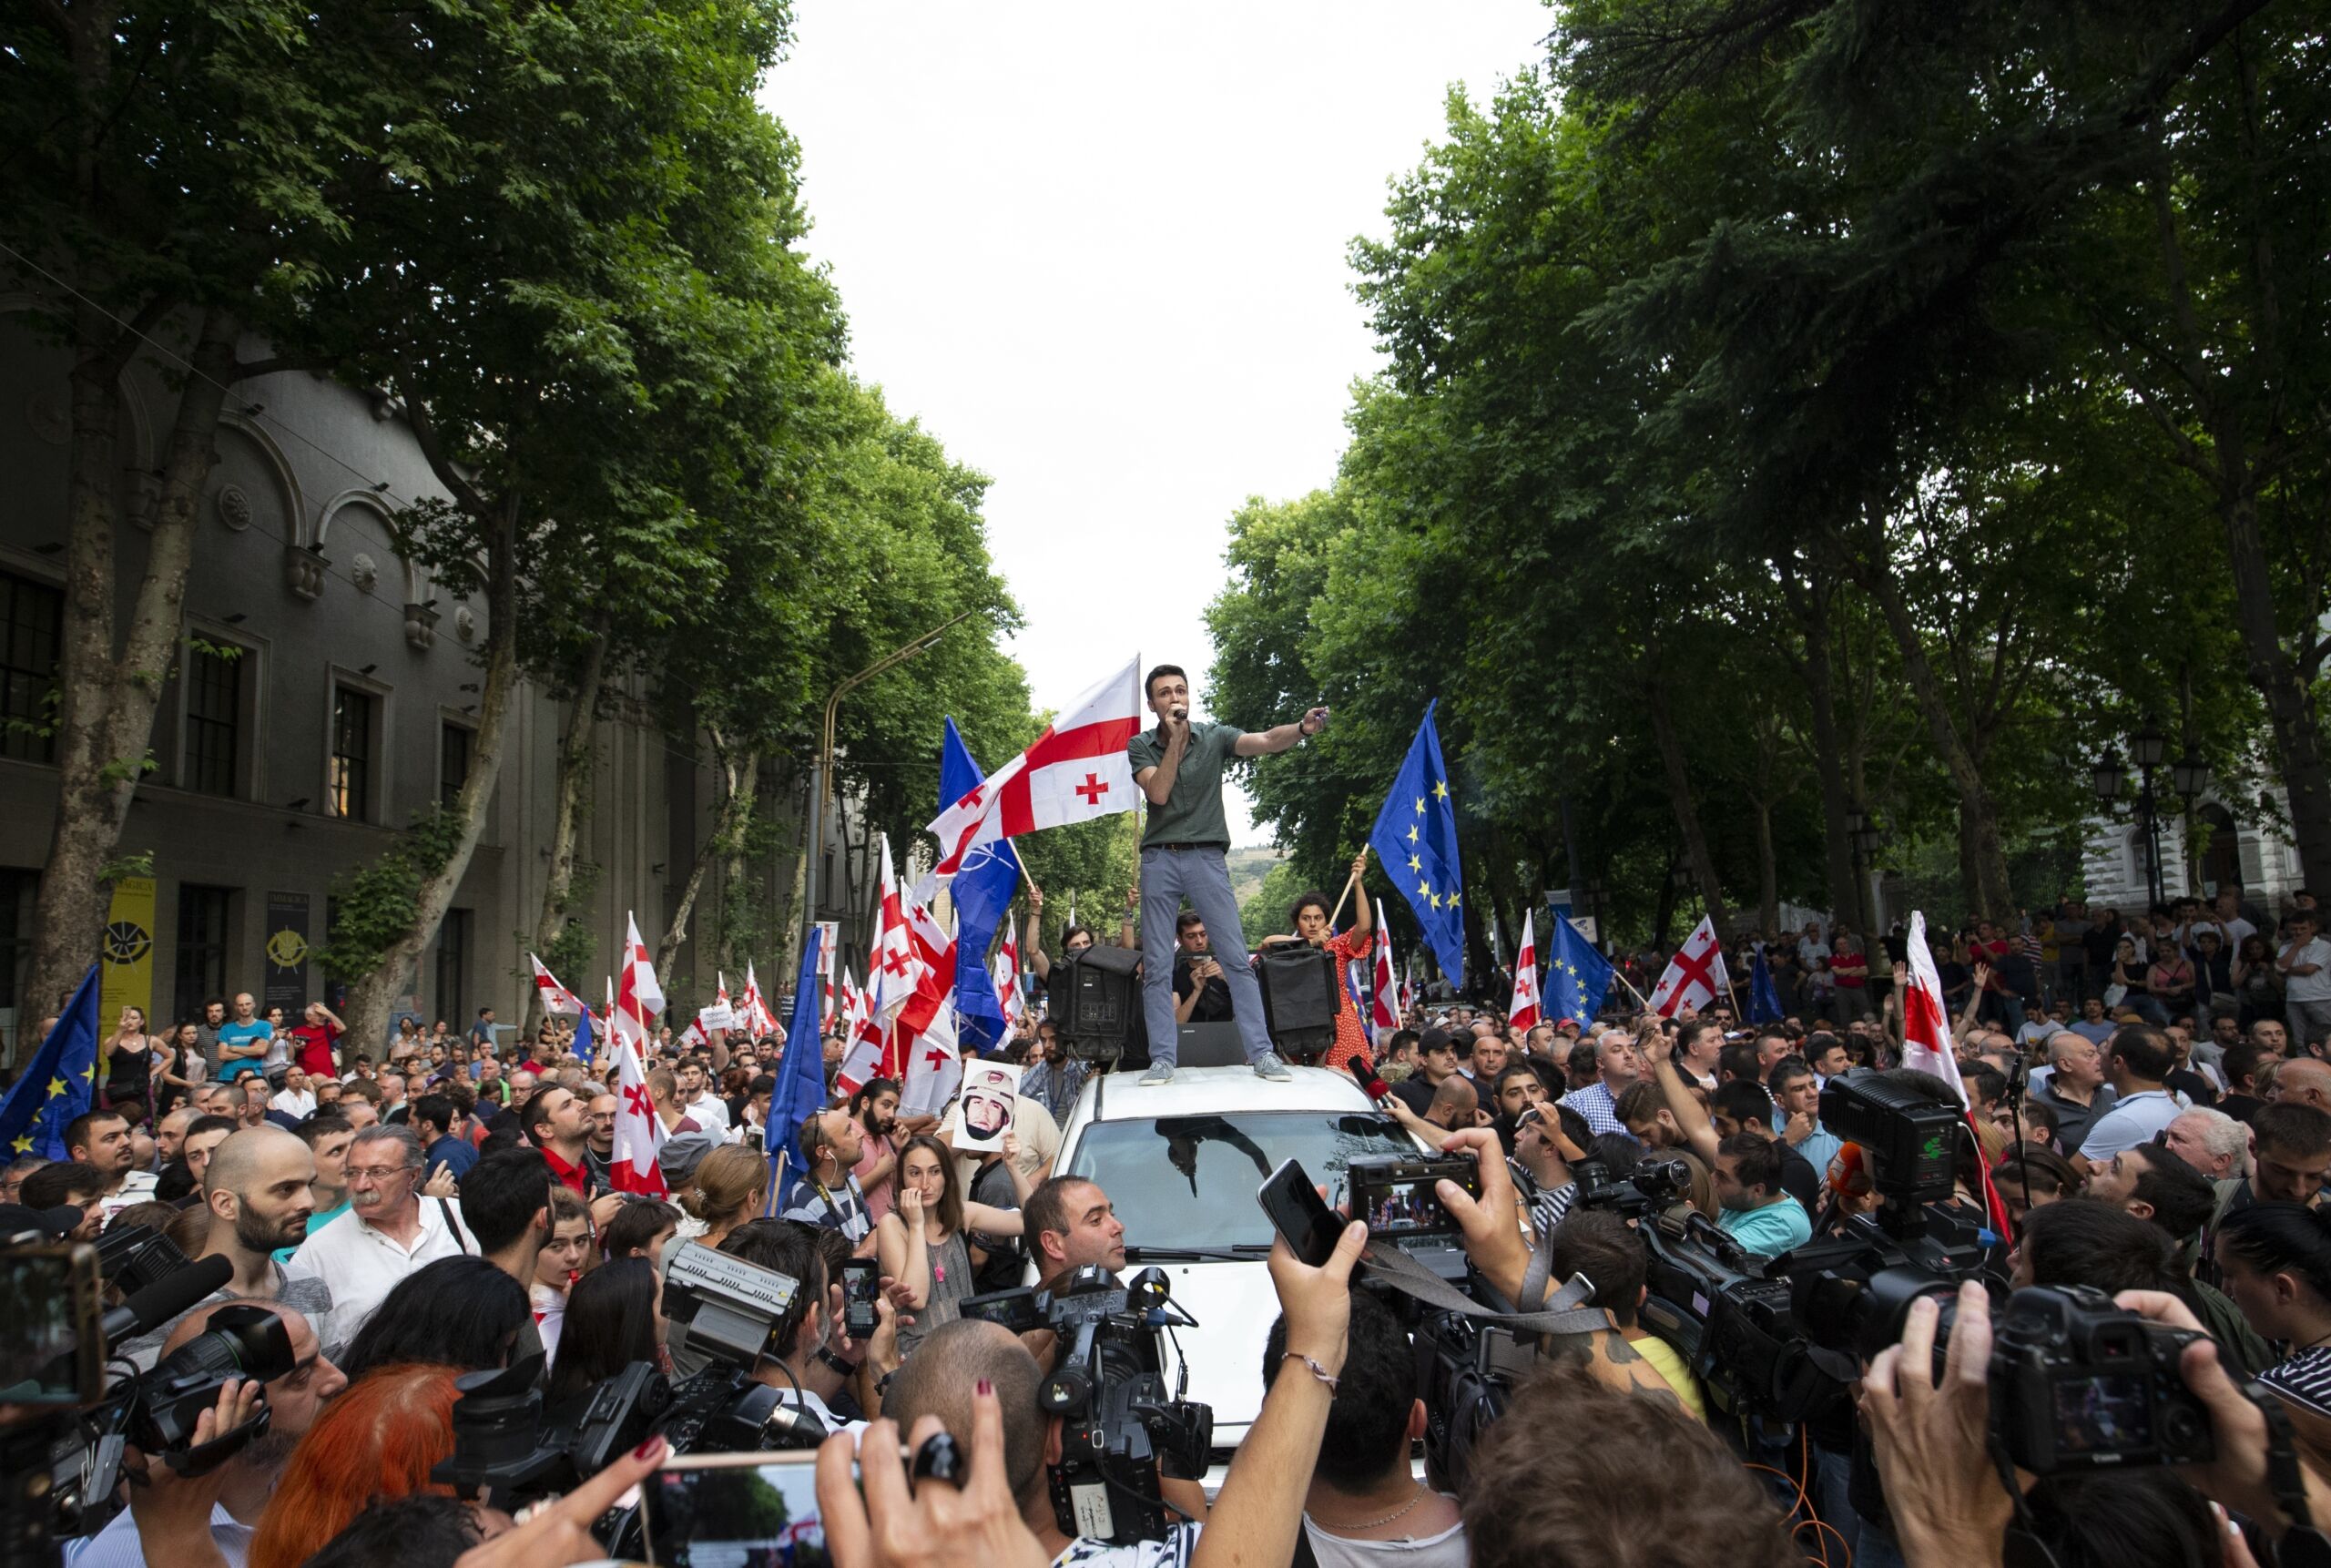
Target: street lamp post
[[2190, 776], [821, 777]]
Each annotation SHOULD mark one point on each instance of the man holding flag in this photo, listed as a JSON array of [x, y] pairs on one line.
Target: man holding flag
[[1178, 767]]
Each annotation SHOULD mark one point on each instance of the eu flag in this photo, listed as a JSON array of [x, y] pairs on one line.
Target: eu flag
[[801, 1076], [1416, 839], [1764, 996], [982, 892], [56, 1084], [583, 1036], [1577, 977]]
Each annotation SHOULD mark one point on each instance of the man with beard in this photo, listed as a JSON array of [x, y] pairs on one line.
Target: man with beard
[[259, 1188], [248, 1480], [599, 1148]]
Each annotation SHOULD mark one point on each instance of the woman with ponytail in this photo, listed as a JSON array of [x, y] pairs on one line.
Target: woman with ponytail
[[2276, 1259]]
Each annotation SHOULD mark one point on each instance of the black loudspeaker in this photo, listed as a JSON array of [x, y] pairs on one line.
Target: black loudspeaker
[[1095, 998], [1299, 994]]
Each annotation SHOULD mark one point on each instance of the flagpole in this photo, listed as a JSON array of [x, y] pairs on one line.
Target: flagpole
[[1350, 882], [784, 1155]]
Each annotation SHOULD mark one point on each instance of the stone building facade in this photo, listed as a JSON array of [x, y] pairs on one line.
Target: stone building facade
[[326, 689]]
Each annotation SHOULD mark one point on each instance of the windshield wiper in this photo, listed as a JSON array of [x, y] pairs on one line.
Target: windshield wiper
[[1239, 1252]]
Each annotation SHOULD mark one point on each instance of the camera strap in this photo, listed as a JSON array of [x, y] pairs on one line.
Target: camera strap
[[1567, 1311], [2302, 1545]]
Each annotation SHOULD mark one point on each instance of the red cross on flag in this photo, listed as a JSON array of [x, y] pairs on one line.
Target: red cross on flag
[[1408, 985], [754, 1016], [1076, 770], [1384, 1010], [900, 961], [640, 1131], [1927, 1045], [1522, 1015], [555, 997], [638, 997], [1694, 976], [934, 1064], [1007, 979]]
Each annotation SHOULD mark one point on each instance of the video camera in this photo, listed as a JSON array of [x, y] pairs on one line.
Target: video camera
[[504, 1443], [1122, 1432], [62, 1457]]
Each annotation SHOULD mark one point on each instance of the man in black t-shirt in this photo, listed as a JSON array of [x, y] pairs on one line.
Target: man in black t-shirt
[[1200, 996]]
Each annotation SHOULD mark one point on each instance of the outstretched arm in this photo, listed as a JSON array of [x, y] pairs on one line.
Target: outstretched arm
[[1279, 738]]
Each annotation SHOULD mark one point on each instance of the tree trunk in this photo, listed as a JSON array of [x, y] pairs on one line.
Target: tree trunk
[[1687, 814], [577, 755], [369, 998], [1769, 874], [1838, 857], [109, 693], [2290, 710], [1984, 857], [736, 776]]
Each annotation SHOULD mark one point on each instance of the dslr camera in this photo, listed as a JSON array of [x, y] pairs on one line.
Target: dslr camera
[[2080, 1384], [1122, 1430]]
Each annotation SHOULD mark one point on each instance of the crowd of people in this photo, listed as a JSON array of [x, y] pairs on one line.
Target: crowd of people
[[446, 1204]]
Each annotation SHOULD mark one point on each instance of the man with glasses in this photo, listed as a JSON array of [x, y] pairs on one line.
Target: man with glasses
[[388, 1231]]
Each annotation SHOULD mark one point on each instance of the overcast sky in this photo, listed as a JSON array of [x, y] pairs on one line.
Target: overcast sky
[[1100, 252]]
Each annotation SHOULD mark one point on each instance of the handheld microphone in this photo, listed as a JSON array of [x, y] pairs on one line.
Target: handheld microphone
[[1181, 715], [166, 1298], [1377, 1090]]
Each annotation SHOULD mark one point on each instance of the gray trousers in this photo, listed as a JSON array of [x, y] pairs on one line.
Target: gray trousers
[[1167, 877], [2309, 1022]]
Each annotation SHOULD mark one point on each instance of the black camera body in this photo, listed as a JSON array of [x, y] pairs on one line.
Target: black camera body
[[248, 1342], [1122, 1430], [2080, 1384], [506, 1443]]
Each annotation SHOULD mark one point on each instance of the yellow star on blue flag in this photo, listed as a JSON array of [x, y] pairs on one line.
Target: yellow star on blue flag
[[54, 1084], [1584, 974], [1424, 837]]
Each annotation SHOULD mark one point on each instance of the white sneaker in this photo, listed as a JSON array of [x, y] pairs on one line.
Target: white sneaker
[[1268, 1066], [1161, 1073]]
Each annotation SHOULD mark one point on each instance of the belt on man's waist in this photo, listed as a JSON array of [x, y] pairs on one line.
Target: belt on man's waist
[[1181, 849]]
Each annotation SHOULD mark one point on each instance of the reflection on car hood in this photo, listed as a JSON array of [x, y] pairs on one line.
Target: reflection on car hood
[[1234, 1306]]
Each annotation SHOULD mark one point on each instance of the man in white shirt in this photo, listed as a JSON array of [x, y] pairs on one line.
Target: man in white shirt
[[704, 1107], [2139, 1065], [2305, 965], [248, 1480], [296, 1099], [388, 1231], [101, 1139], [1810, 946]]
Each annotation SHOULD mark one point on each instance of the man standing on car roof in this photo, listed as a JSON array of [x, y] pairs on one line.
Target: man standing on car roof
[[1178, 765]]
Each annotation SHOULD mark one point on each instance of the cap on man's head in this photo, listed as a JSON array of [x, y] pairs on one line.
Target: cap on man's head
[[1438, 1039]]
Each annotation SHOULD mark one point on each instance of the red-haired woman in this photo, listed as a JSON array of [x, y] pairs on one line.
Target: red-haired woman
[[375, 1442]]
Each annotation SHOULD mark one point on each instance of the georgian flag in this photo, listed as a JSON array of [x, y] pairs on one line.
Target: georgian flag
[[555, 997], [1383, 1012], [1076, 770], [900, 961], [754, 1016], [829, 937], [640, 1131], [1522, 1013], [1694, 975], [1926, 1045], [639, 997], [1007, 979]]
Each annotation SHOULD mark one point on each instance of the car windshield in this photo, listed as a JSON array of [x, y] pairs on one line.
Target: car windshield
[[1190, 1181]]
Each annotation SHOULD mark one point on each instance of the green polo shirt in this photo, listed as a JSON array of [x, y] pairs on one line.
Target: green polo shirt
[[1193, 810]]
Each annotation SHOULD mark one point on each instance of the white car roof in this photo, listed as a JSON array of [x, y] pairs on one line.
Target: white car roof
[[1210, 1090]]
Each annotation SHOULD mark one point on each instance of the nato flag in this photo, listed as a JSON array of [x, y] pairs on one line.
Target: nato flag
[[1416, 839], [57, 1084]]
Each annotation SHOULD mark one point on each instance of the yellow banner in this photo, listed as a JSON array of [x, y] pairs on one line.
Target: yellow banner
[[127, 980]]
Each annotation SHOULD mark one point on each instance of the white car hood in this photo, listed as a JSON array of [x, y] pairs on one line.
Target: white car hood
[[1235, 1306]]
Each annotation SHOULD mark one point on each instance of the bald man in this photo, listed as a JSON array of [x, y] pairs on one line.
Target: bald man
[[247, 1481], [259, 1188], [2304, 1081]]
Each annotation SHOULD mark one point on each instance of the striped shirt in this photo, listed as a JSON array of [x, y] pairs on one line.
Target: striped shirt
[[2304, 1380], [844, 1211]]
